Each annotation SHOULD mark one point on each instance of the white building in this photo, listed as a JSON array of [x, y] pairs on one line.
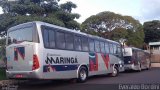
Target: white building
[[155, 53], [154, 45]]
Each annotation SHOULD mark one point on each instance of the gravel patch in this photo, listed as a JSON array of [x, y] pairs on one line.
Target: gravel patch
[[11, 82]]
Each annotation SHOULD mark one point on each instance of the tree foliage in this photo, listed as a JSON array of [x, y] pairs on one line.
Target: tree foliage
[[2, 48], [114, 26], [152, 31], [16, 12]]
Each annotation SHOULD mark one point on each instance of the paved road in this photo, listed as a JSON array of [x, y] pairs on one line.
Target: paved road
[[103, 82]]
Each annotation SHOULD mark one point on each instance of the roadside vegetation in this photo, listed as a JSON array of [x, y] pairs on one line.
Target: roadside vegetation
[[105, 24], [2, 56], [2, 74]]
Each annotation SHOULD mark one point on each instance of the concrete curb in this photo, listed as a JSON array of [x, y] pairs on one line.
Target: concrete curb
[[155, 64]]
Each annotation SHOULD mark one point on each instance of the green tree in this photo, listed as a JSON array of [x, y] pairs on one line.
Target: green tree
[[114, 26], [119, 33], [152, 31], [21, 11], [2, 48]]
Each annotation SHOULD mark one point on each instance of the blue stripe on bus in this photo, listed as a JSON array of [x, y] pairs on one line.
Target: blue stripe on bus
[[51, 68]]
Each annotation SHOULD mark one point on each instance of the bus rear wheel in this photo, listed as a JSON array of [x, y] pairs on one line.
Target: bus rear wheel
[[82, 75], [140, 69], [149, 66]]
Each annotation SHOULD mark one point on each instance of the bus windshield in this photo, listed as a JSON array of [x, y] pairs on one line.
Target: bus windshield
[[127, 59], [20, 35]]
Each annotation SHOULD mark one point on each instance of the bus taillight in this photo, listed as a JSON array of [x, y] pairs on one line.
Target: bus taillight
[[35, 62], [132, 61]]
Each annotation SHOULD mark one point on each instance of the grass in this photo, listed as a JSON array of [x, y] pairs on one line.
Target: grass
[[2, 74]]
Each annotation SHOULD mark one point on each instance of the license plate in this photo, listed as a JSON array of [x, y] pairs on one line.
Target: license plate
[[19, 76]]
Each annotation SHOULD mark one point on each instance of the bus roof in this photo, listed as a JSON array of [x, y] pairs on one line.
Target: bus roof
[[59, 27], [21, 26], [134, 48]]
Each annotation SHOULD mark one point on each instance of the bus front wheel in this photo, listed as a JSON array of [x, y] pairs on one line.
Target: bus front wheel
[[82, 74], [115, 71]]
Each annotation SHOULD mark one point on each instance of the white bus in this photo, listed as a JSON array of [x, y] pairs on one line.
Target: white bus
[[136, 59], [38, 50]]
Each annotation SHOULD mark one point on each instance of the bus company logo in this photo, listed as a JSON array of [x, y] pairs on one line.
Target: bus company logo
[[19, 51], [61, 60]]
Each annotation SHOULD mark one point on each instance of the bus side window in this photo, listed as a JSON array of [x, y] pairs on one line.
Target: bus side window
[[97, 46], [107, 47], [102, 47], [60, 40], [45, 34], [69, 41], [91, 45], [84, 44], [51, 39], [114, 49], [111, 48], [77, 41], [119, 51]]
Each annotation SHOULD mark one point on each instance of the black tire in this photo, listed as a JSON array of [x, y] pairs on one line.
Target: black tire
[[82, 75], [148, 67], [115, 72]]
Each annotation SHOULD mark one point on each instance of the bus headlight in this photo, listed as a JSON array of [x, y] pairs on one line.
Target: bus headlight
[[120, 64]]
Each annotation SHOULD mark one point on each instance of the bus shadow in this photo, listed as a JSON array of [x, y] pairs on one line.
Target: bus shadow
[[130, 71], [134, 71], [44, 84], [47, 84]]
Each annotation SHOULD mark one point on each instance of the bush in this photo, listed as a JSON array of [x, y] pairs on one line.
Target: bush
[[2, 74]]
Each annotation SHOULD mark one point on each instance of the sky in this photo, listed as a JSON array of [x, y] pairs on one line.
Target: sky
[[142, 10], [1, 10]]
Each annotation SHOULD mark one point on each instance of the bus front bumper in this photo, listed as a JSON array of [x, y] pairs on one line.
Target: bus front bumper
[[130, 67]]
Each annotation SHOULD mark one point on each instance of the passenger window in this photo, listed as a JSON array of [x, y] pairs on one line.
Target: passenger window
[[114, 49], [60, 40], [84, 44], [48, 37], [77, 41], [102, 47], [111, 48], [91, 45], [119, 51], [45, 37], [51, 39], [107, 47], [69, 41], [97, 46]]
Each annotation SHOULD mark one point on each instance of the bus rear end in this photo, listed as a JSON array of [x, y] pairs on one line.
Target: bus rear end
[[22, 58]]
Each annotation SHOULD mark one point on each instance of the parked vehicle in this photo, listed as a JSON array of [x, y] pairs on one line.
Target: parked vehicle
[[136, 59], [38, 50]]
